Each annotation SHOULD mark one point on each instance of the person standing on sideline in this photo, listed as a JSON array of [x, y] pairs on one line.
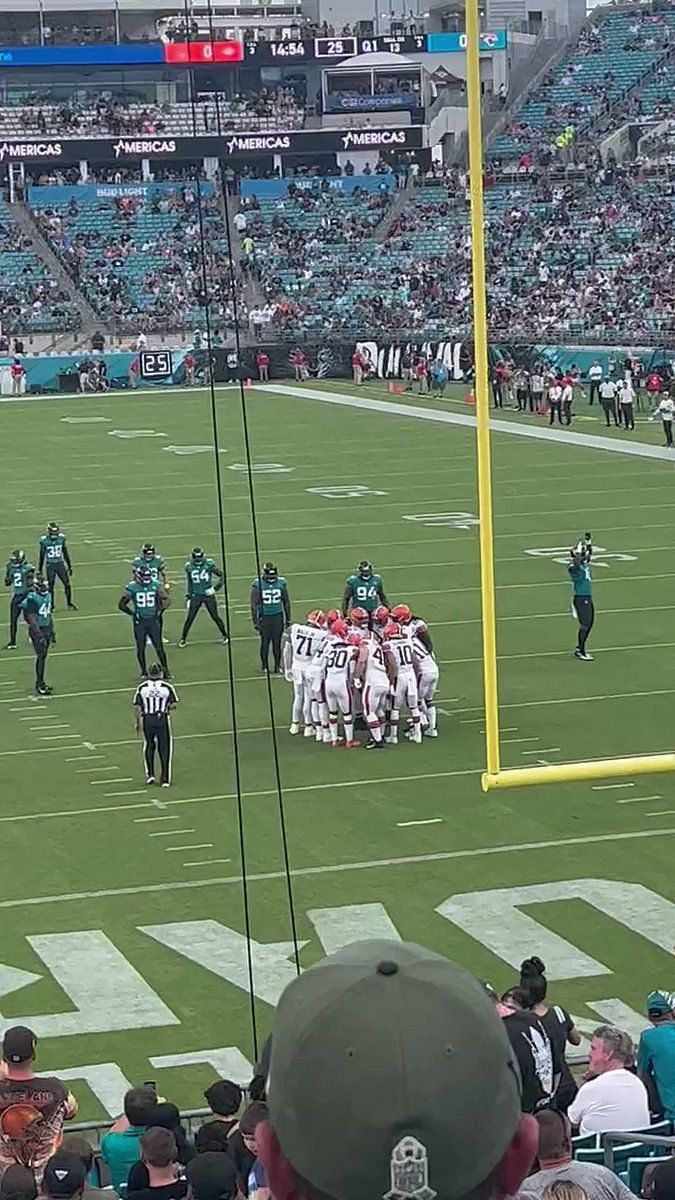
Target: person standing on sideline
[[262, 362], [536, 390], [39, 1105], [153, 701], [594, 381], [566, 398], [270, 613], [582, 600], [357, 367], [656, 1053], [608, 401], [665, 410], [627, 403], [555, 402]]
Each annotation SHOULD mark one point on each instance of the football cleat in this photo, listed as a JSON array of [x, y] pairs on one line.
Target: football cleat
[[269, 572], [295, 728], [18, 556], [309, 731], [339, 628], [53, 529], [392, 629], [364, 569], [197, 555], [353, 745], [316, 618], [373, 745], [401, 613], [381, 614]]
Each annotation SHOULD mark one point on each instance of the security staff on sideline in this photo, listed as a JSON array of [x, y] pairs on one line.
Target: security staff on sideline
[[582, 600], [270, 613], [153, 702]]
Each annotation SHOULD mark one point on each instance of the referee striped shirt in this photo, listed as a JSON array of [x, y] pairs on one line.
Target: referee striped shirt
[[155, 698]]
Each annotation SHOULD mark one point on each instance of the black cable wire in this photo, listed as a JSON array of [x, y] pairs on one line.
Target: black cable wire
[[226, 590], [254, 520]]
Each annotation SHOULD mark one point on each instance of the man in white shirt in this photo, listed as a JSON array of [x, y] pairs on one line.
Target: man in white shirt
[[594, 379], [627, 403], [665, 411], [614, 1099], [608, 401]]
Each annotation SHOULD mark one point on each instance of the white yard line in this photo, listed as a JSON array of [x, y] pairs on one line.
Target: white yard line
[[427, 821], [339, 868], [199, 846], [169, 832], [206, 862], [610, 787], [637, 799], [585, 441]]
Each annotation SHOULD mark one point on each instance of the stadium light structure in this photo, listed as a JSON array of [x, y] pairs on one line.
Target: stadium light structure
[[494, 776]]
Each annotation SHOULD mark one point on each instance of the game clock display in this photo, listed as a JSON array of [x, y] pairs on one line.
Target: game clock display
[[155, 364]]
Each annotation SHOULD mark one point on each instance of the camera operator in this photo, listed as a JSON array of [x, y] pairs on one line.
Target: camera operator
[[580, 573]]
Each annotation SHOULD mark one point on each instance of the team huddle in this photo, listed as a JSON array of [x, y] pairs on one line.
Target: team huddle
[[365, 668]]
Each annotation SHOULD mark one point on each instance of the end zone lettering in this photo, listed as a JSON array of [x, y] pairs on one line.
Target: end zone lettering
[[30, 150], [144, 146]]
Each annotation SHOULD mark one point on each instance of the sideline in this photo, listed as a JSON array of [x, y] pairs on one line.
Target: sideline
[[587, 441]]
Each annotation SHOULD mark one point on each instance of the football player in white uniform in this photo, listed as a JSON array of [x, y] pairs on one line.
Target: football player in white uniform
[[412, 624], [303, 641], [380, 619], [336, 671], [376, 675], [400, 643], [427, 682]]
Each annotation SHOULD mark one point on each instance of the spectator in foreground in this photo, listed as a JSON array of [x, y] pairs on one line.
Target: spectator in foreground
[[224, 1099], [79, 1146], [121, 1146], [558, 1025], [532, 1048], [159, 1158], [18, 1183], [32, 1109], [556, 1163], [613, 1098], [656, 1052], [211, 1177], [244, 1148], [165, 1115], [562, 1190], [421, 1092], [64, 1177]]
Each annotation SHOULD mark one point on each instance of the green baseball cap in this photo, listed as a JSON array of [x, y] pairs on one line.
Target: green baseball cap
[[391, 1076], [660, 1004]]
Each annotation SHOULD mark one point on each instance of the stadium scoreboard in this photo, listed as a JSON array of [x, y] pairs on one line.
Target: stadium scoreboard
[[155, 364], [265, 53]]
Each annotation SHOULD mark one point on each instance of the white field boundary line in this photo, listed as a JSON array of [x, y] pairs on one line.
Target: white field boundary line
[[337, 868], [566, 437]]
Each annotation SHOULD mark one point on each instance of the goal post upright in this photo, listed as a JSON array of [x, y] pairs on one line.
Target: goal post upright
[[481, 389], [494, 776]]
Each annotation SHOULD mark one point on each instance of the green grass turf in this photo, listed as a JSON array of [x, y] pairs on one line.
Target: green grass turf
[[62, 834]]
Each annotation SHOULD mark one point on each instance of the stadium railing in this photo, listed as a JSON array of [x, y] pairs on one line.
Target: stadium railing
[[611, 1142]]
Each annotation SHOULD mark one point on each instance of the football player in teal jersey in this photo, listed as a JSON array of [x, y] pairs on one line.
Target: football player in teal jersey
[[364, 589], [18, 575], [37, 606], [54, 552], [149, 558], [144, 600], [200, 573]]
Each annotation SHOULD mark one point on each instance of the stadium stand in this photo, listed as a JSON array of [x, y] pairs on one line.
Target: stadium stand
[[140, 257], [264, 110], [30, 298], [610, 59]]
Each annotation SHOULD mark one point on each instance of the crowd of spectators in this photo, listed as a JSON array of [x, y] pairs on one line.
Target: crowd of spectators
[[142, 257], [433, 1085], [111, 114], [619, 71], [30, 297], [566, 256]]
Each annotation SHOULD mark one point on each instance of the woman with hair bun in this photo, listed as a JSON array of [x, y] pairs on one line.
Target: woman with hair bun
[[558, 1025]]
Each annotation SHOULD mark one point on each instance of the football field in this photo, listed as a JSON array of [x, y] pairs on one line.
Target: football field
[[124, 909]]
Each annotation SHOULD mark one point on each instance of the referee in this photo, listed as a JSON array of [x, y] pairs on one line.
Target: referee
[[153, 703], [270, 613]]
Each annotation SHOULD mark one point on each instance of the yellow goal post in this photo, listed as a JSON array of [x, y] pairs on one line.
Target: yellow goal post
[[494, 776]]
